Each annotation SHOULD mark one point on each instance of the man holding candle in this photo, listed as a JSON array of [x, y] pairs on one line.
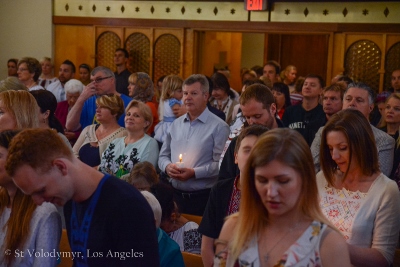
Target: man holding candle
[[199, 136]]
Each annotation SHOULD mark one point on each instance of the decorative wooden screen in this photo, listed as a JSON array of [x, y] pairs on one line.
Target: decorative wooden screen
[[392, 63], [106, 45], [167, 54], [138, 46], [362, 63]]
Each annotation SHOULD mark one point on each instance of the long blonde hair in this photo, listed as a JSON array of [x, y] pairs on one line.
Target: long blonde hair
[[22, 106], [288, 147]]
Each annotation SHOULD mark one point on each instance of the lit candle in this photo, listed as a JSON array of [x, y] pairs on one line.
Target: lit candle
[[180, 164]]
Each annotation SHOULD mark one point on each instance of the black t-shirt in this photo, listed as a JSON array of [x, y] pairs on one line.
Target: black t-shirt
[[121, 81], [305, 122], [122, 231], [216, 209]]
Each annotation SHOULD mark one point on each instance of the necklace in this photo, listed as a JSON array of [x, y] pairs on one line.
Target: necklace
[[266, 255]]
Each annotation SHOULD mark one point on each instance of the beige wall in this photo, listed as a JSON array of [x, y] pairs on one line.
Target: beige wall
[[25, 30]]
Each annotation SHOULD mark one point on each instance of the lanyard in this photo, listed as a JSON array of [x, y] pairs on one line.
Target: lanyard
[[80, 232]]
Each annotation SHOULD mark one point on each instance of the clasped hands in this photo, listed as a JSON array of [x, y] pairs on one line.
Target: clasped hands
[[181, 174]]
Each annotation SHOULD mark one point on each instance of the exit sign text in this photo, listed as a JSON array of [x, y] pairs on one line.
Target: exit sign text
[[255, 4]]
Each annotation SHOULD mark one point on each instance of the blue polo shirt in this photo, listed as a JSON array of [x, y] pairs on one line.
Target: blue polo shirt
[[88, 115]]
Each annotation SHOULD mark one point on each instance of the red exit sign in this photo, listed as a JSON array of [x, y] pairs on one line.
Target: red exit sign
[[255, 4]]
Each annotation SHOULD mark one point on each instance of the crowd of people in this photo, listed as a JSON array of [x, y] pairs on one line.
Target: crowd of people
[[291, 172]]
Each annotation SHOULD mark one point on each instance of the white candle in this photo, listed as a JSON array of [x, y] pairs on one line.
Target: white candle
[[180, 163]]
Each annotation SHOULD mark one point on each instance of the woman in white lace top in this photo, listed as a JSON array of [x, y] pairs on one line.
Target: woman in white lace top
[[354, 194]]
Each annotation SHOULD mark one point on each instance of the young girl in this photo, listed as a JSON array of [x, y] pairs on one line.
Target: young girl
[[170, 103]]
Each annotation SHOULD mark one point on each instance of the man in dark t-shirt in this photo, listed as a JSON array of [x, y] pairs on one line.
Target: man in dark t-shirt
[[308, 117]]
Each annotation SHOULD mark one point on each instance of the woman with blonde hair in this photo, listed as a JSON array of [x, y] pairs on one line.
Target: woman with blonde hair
[[23, 225], [95, 138], [288, 76], [12, 83], [170, 105], [47, 77], [280, 222], [354, 194], [29, 70], [18, 110], [123, 153], [391, 115]]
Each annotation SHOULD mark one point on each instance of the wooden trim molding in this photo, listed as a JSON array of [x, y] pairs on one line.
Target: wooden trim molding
[[232, 26]]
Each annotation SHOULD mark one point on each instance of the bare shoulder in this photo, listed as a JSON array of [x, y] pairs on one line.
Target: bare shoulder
[[221, 244], [228, 227], [332, 245]]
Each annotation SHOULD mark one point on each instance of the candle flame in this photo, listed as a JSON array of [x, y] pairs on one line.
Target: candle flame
[[180, 157]]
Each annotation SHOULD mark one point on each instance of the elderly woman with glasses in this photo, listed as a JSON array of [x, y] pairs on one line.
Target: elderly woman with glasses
[[29, 70], [123, 153], [141, 88]]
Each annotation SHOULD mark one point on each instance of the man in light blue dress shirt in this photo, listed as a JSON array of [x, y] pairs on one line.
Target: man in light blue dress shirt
[[199, 136]]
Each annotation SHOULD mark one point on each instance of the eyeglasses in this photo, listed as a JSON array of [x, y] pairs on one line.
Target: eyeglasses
[[22, 69], [100, 79]]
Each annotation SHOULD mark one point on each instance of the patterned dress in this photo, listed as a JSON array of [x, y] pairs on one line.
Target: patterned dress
[[118, 159], [188, 238], [304, 252], [366, 219]]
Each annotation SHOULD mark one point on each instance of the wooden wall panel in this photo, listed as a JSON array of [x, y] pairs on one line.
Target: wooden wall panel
[[75, 43], [235, 59], [308, 52], [214, 45], [338, 55], [273, 47], [312, 47], [190, 53], [391, 40]]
